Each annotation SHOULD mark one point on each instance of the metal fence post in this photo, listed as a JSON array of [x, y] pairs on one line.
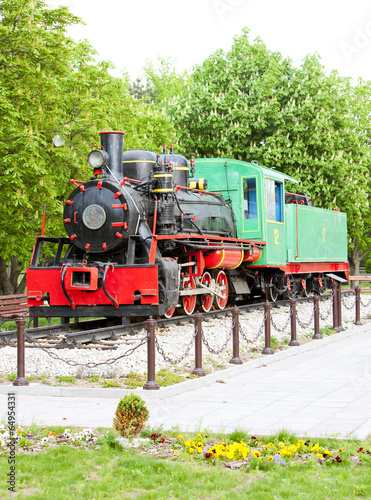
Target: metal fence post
[[339, 325], [236, 337], [293, 341], [358, 306], [151, 383], [316, 335], [267, 317], [21, 378], [198, 346], [335, 319]]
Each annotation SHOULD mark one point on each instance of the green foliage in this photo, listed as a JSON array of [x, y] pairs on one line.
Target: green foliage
[[51, 85], [138, 90], [368, 266], [166, 377], [131, 415], [238, 435], [94, 379], [133, 380], [110, 383], [163, 82], [252, 104], [67, 378], [11, 377]]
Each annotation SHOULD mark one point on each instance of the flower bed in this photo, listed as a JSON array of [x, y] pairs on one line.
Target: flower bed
[[256, 454]]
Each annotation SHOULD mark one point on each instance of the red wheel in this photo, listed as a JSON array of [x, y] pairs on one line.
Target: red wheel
[[223, 289], [170, 313], [206, 300], [188, 301]]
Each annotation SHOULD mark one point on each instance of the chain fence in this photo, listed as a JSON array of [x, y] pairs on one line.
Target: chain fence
[[284, 327], [365, 304], [72, 362], [325, 317], [181, 358], [224, 346], [244, 335], [279, 326]]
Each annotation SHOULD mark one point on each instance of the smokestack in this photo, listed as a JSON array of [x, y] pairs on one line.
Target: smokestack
[[113, 143]]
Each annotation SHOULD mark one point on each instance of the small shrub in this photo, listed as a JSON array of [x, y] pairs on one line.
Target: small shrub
[[67, 378], [130, 416], [110, 383], [94, 379], [11, 377], [368, 266]]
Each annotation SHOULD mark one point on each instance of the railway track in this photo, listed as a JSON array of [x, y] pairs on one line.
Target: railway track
[[96, 333]]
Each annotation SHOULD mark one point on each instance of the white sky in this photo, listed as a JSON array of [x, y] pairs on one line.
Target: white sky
[[129, 33]]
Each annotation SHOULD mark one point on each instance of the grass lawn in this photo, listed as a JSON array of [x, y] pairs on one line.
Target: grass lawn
[[104, 470]]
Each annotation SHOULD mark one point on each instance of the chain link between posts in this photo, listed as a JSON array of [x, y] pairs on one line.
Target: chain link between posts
[[224, 346], [260, 331], [179, 360], [8, 343], [325, 317], [283, 329], [72, 362], [349, 308], [305, 325], [364, 304]]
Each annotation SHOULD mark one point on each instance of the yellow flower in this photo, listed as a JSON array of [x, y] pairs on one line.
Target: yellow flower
[[180, 437], [341, 450], [270, 445], [230, 455], [319, 455], [300, 443], [281, 444], [191, 450], [52, 433], [18, 431], [265, 448], [190, 443], [199, 445], [256, 453], [175, 452], [327, 452], [270, 458], [315, 447], [200, 436]]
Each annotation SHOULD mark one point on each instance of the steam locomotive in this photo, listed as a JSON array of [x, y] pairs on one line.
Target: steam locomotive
[[146, 238]]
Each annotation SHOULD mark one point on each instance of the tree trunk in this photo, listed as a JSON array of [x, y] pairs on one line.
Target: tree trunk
[[9, 277], [354, 263]]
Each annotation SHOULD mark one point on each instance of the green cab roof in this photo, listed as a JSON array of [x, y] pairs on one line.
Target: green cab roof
[[267, 172]]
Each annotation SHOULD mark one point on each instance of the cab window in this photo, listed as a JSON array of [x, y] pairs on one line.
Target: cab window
[[250, 209], [274, 200]]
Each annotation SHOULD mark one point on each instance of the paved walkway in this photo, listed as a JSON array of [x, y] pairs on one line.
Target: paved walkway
[[320, 388]]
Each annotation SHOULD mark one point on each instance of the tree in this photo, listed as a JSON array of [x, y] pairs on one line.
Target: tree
[[164, 79], [250, 103], [51, 85], [147, 93]]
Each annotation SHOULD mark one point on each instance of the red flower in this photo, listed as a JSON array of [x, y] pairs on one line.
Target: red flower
[[155, 436], [338, 459], [307, 442], [359, 450], [162, 440], [208, 455]]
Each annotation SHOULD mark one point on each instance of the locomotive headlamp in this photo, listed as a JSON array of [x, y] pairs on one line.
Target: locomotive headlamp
[[98, 158]]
